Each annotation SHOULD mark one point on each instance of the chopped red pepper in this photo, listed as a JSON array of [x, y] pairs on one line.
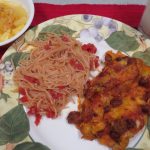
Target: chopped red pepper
[[24, 99], [21, 91], [76, 64], [31, 79], [89, 48], [50, 114], [37, 119], [55, 94]]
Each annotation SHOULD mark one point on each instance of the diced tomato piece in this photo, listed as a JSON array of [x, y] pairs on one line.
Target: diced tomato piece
[[50, 114], [76, 64], [91, 64], [88, 83], [31, 79], [32, 111], [21, 91], [46, 47], [61, 87], [89, 48], [55, 94], [24, 99], [65, 38], [94, 62], [38, 118]]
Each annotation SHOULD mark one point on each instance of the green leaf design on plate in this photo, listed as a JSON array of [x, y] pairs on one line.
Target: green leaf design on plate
[[134, 149], [34, 28], [128, 30], [120, 41], [148, 125], [14, 126], [145, 56], [4, 96], [31, 146], [16, 57], [58, 29], [29, 36]]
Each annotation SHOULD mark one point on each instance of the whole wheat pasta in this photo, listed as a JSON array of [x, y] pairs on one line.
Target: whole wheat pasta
[[56, 69]]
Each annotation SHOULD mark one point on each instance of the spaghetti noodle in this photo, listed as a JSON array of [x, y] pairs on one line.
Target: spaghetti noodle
[[57, 68]]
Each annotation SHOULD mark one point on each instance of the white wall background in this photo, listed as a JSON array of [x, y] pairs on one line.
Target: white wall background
[[93, 1]]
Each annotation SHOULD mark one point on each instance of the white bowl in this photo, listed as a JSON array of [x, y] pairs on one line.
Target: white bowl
[[29, 6]]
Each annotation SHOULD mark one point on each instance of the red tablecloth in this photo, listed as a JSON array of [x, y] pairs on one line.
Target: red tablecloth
[[129, 14]]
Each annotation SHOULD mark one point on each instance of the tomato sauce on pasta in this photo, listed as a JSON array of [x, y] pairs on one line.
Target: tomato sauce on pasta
[[56, 69]]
